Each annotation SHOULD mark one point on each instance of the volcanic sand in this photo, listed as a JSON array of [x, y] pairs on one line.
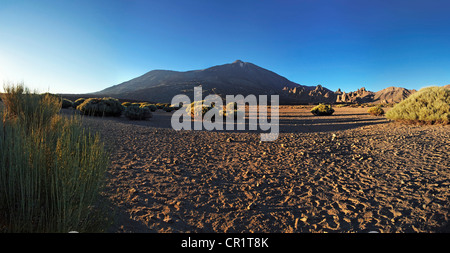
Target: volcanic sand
[[349, 172]]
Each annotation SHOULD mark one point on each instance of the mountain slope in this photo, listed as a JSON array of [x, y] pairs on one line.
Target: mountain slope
[[388, 95], [392, 95], [229, 79]]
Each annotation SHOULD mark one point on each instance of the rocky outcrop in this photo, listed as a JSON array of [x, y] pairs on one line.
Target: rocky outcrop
[[305, 94], [385, 96], [360, 96], [392, 95]]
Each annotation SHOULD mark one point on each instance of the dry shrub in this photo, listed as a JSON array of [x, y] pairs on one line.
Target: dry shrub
[[322, 110], [376, 111], [198, 108], [101, 107], [78, 102], [427, 106], [135, 112]]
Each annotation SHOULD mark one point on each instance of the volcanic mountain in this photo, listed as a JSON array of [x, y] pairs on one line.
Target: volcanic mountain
[[229, 79], [240, 78]]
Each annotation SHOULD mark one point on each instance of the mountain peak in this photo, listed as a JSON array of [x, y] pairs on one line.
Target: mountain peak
[[239, 63], [234, 78]]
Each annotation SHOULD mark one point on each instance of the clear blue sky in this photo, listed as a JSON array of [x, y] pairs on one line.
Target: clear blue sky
[[85, 46]]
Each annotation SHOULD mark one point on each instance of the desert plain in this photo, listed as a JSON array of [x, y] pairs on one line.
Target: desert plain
[[348, 172]]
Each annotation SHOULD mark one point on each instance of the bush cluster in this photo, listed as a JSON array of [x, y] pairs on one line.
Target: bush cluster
[[126, 104], [428, 105], [231, 110], [152, 107], [140, 109], [170, 108], [66, 103], [137, 112], [101, 107], [376, 110], [322, 110], [78, 102], [162, 105], [198, 108]]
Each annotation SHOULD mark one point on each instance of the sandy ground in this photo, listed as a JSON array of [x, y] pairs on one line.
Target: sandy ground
[[350, 172]]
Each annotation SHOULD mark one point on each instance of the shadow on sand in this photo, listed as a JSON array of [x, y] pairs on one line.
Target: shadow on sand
[[296, 124]]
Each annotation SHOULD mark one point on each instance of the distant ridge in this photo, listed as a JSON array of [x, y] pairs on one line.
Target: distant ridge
[[392, 95], [243, 78], [388, 95]]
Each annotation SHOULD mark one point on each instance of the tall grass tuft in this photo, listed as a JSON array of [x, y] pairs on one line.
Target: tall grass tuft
[[429, 105], [51, 169]]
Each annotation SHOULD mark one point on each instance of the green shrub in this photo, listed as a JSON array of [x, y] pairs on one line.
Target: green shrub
[[162, 105], [126, 104], [66, 103], [376, 110], [50, 179], [134, 112], [231, 110], [428, 105], [322, 110], [169, 108], [101, 107], [196, 108], [152, 107], [78, 102]]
